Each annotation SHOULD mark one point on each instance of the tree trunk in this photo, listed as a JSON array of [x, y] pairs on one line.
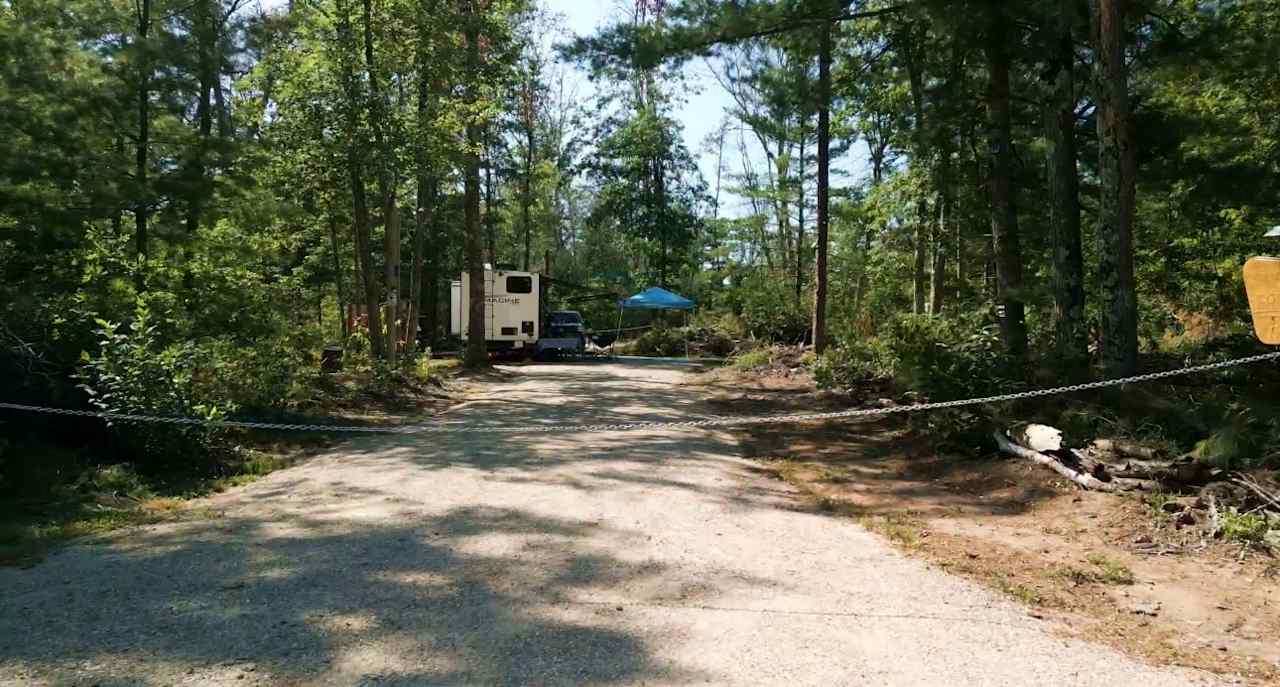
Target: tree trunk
[[142, 211], [427, 186], [204, 32], [423, 218], [1115, 213], [490, 219], [824, 169], [660, 198], [920, 156], [476, 354], [355, 175], [1070, 335], [800, 256], [337, 276], [938, 277], [364, 249], [921, 241], [1007, 246], [386, 190], [876, 152], [526, 196]]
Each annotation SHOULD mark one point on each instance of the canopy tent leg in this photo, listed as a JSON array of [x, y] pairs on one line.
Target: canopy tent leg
[[617, 333], [686, 336]]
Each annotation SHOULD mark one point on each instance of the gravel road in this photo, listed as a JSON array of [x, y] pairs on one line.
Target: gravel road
[[656, 558]]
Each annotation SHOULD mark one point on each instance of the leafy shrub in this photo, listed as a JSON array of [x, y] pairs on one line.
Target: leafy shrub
[[767, 309], [1244, 528], [750, 360], [135, 372], [942, 358], [660, 341], [853, 363], [710, 341]]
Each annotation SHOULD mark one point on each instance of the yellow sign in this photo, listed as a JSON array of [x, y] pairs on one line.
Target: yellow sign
[[1262, 281]]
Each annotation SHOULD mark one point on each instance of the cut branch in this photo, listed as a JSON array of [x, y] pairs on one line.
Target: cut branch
[[1083, 479]]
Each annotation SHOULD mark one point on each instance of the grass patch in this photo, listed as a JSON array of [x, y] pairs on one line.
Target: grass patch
[[101, 499], [1243, 528], [1027, 595], [900, 528], [750, 360], [25, 544], [1103, 570], [1158, 500], [1110, 570], [828, 504]]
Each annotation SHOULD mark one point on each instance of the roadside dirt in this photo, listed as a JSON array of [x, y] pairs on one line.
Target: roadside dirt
[[1114, 569]]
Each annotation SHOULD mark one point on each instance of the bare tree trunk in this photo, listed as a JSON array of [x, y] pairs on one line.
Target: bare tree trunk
[[938, 277], [364, 249], [800, 256], [876, 151], [476, 354], [355, 175], [921, 241], [526, 196], [423, 218], [424, 212], [1115, 213], [1071, 337], [1007, 245], [337, 275], [824, 169], [490, 219], [386, 189], [205, 33], [142, 211], [920, 157]]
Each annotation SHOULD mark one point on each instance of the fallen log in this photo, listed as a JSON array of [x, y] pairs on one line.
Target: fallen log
[[1084, 479], [1181, 470], [1126, 448]]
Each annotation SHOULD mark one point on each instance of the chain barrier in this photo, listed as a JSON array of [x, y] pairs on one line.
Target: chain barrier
[[437, 428]]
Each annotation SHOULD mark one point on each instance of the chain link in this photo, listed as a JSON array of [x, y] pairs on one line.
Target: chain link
[[436, 428]]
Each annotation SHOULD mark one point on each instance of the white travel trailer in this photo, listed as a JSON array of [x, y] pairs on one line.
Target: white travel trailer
[[512, 309]]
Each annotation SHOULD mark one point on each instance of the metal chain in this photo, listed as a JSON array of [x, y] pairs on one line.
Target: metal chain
[[435, 428]]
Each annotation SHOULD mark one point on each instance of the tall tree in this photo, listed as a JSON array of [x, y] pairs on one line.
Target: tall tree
[[476, 354], [383, 163], [346, 52], [1070, 334], [142, 144], [1118, 177], [823, 190], [1007, 244]]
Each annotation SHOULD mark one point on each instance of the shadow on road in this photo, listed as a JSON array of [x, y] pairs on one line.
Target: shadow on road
[[302, 577]]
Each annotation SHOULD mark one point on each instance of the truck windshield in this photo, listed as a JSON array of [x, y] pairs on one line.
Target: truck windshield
[[566, 318]]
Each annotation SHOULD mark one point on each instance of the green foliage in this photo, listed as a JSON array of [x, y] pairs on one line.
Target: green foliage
[[750, 360], [767, 308], [940, 357], [1243, 528], [1103, 570], [660, 341], [134, 373]]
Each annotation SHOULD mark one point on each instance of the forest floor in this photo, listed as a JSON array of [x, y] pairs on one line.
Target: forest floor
[[1111, 568], [658, 557]]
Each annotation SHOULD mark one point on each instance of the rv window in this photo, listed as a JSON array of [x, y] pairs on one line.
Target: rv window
[[519, 284]]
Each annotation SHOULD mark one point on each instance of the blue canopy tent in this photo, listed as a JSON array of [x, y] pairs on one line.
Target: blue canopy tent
[[655, 298]]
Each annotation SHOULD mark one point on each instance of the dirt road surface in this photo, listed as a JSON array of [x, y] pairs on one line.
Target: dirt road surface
[[656, 558]]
